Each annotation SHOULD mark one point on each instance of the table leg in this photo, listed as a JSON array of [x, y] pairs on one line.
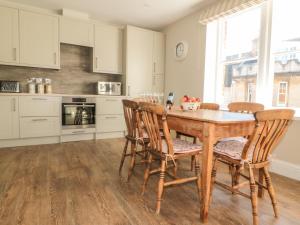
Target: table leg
[[207, 159]]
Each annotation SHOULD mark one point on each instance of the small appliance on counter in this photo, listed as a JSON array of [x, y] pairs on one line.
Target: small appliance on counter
[[9, 86], [109, 88]]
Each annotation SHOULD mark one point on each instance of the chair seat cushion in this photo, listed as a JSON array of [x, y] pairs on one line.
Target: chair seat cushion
[[181, 146], [232, 148]]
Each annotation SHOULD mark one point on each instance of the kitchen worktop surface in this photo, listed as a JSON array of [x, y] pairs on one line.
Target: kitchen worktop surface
[[58, 95]]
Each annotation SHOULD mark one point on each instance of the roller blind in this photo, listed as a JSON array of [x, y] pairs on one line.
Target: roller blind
[[225, 8]]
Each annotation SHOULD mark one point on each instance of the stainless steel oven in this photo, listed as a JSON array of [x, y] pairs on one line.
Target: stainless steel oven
[[78, 112]]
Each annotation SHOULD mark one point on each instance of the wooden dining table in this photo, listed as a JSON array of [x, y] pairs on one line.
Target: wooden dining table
[[209, 126]]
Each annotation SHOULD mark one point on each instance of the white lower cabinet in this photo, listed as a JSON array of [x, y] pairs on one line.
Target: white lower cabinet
[[39, 127], [9, 117], [110, 123]]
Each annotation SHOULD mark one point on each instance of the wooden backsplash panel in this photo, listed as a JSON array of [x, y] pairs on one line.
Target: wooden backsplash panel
[[74, 77]]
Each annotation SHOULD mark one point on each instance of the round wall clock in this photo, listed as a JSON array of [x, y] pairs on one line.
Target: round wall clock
[[181, 50]]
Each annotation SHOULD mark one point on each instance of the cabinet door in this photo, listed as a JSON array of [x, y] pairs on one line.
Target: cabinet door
[[139, 48], [76, 32], [39, 44], [9, 118], [158, 53], [9, 38], [108, 50], [109, 105]]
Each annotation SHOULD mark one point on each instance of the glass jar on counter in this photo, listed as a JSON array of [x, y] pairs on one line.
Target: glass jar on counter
[[48, 86], [31, 85], [40, 86]]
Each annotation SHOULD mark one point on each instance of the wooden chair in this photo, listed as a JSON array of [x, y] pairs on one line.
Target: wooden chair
[[244, 107], [254, 154], [167, 150], [135, 135], [210, 106]]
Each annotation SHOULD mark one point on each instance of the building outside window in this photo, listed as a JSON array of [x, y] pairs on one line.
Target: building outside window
[[241, 43]]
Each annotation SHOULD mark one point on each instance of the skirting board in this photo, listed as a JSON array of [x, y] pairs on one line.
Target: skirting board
[[285, 169]]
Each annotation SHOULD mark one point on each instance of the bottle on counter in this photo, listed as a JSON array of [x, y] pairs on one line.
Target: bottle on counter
[[40, 86], [31, 85], [48, 86]]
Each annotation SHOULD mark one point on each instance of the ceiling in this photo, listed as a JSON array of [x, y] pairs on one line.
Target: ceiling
[[154, 14]]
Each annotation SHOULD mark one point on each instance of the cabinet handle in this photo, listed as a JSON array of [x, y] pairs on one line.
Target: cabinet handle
[[55, 56], [96, 62], [14, 105], [154, 67], [78, 132], [128, 92], [111, 117], [40, 99], [111, 100], [39, 120], [15, 53]]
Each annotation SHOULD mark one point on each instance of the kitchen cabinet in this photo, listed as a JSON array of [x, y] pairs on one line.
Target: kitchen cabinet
[[39, 127], [39, 40], [9, 117], [108, 49], [76, 32], [9, 38], [40, 106], [139, 47], [158, 53], [109, 116], [144, 61]]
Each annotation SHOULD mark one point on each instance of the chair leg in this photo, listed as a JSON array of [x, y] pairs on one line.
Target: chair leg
[[147, 173], [160, 185], [175, 168], [132, 162], [123, 156], [253, 196], [213, 177], [192, 162], [261, 180], [198, 174], [233, 176], [271, 191]]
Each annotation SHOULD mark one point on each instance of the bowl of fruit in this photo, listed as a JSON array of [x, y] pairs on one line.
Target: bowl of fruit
[[190, 103]]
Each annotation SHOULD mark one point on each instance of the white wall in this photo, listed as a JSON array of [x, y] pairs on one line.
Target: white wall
[[187, 77]]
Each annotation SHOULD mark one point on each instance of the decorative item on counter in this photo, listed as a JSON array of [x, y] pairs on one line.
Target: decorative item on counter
[[190, 103], [48, 86], [31, 85], [40, 85], [170, 100]]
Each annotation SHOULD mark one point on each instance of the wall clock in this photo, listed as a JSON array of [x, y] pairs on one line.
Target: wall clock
[[181, 50]]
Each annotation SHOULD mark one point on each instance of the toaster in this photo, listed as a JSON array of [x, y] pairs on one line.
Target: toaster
[[9, 86]]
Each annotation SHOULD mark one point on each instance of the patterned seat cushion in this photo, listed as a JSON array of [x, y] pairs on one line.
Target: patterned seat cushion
[[181, 146], [232, 148]]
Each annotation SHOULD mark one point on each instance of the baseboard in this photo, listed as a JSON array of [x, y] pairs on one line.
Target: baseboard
[[285, 169]]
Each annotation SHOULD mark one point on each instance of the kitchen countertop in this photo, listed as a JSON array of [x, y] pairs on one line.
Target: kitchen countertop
[[59, 95]]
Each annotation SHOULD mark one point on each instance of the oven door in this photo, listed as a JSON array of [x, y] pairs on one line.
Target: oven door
[[78, 115]]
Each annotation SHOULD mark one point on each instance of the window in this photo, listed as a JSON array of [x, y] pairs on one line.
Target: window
[[282, 93], [257, 56]]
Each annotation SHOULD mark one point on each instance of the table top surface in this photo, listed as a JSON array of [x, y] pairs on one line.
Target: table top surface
[[212, 116]]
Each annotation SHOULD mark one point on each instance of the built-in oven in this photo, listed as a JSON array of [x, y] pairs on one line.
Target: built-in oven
[[78, 112]]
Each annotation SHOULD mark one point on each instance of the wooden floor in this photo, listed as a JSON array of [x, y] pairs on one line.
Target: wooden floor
[[78, 184]]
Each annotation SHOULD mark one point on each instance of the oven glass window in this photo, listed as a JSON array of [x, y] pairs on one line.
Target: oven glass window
[[78, 114]]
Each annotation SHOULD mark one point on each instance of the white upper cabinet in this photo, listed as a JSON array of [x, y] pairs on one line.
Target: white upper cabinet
[[39, 40], [108, 49], [158, 53], [9, 117], [9, 38], [76, 32]]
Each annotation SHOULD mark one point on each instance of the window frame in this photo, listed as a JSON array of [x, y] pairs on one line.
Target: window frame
[[279, 93]]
